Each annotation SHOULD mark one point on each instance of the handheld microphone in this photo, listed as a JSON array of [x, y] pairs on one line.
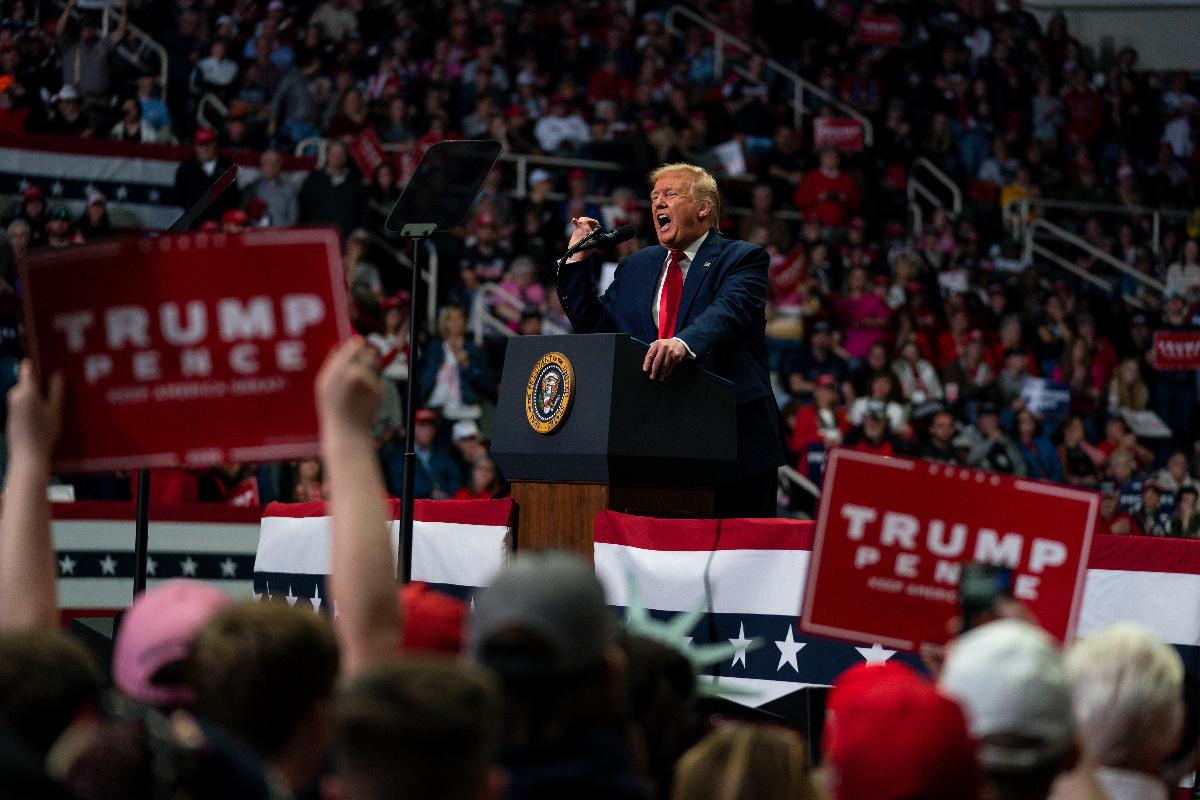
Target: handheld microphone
[[621, 233], [598, 239]]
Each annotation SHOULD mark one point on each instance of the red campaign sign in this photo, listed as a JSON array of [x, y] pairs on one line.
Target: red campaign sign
[[187, 349], [367, 151], [1177, 350], [879, 29], [893, 533], [844, 133]]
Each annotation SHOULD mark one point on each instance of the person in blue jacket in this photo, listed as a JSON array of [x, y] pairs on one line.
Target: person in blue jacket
[[695, 295], [1041, 461]]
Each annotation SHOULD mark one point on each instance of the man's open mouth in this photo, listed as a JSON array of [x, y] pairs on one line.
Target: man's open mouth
[[664, 222]]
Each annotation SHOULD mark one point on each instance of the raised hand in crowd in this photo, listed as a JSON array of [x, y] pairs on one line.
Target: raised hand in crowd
[[28, 576], [362, 581]]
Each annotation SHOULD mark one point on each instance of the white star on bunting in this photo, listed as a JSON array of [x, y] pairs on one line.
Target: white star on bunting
[[741, 643], [291, 598], [66, 565], [91, 187], [56, 188], [875, 654], [108, 565], [122, 192], [151, 566], [316, 598], [788, 648], [153, 195], [23, 185], [188, 567], [228, 568]]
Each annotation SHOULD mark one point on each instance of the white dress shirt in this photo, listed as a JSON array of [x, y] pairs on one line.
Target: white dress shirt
[[689, 255], [1123, 784]]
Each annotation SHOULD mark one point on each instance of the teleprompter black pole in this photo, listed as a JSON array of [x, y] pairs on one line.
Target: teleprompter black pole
[[404, 551]]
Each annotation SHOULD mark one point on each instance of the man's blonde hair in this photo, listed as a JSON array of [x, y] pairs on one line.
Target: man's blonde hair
[[701, 185]]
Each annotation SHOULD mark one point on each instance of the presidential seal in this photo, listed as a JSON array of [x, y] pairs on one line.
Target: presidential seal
[[549, 392]]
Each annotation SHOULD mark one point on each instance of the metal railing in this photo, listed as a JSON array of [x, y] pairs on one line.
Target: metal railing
[[429, 273], [790, 475], [1054, 233], [801, 88], [210, 99], [484, 322], [144, 41], [1019, 212], [919, 191]]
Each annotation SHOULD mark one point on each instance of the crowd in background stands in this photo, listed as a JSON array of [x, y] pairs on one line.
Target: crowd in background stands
[[882, 337]]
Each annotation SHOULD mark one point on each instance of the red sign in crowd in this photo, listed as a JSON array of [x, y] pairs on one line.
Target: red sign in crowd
[[881, 30], [893, 535], [844, 133], [187, 349], [1177, 350]]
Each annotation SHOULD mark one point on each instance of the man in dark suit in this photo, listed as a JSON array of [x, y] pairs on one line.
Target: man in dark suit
[[196, 174], [695, 295]]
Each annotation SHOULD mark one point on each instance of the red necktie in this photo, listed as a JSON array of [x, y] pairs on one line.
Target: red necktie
[[668, 301]]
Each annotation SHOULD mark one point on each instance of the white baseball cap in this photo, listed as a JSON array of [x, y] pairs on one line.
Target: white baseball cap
[[464, 429], [1010, 678]]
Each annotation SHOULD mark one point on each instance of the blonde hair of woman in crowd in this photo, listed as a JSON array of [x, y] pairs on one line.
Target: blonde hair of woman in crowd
[[745, 762], [1127, 687]]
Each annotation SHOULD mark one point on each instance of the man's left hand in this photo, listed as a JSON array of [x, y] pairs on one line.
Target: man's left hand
[[662, 357]]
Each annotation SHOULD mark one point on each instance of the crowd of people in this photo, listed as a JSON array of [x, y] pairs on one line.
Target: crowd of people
[[934, 341], [937, 341], [534, 691]]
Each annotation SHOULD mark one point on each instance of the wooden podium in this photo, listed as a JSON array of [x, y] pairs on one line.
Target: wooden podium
[[580, 428]]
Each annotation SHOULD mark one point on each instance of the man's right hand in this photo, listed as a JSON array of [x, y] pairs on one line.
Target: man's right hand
[[583, 227], [348, 389]]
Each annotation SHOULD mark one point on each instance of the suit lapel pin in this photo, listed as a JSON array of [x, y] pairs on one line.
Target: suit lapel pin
[[708, 263]]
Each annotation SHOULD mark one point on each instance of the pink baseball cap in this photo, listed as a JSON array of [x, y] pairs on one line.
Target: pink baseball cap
[[157, 630]]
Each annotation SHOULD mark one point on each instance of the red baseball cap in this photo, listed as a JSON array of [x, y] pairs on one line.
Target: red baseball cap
[[426, 415], [826, 381], [890, 735], [235, 216], [205, 136], [433, 620], [33, 193]]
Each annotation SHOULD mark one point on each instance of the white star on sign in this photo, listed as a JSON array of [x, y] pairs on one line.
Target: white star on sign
[[291, 598], [122, 192], [788, 648], [56, 188], [108, 565], [91, 187], [741, 643], [316, 598], [228, 568], [151, 566], [188, 566], [66, 565], [875, 654]]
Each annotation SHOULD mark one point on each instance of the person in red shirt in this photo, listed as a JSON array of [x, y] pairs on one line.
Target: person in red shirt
[[951, 342], [828, 192], [822, 421], [1112, 519], [484, 482], [872, 436], [1085, 109]]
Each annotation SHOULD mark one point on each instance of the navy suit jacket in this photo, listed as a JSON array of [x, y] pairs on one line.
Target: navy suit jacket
[[722, 318]]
